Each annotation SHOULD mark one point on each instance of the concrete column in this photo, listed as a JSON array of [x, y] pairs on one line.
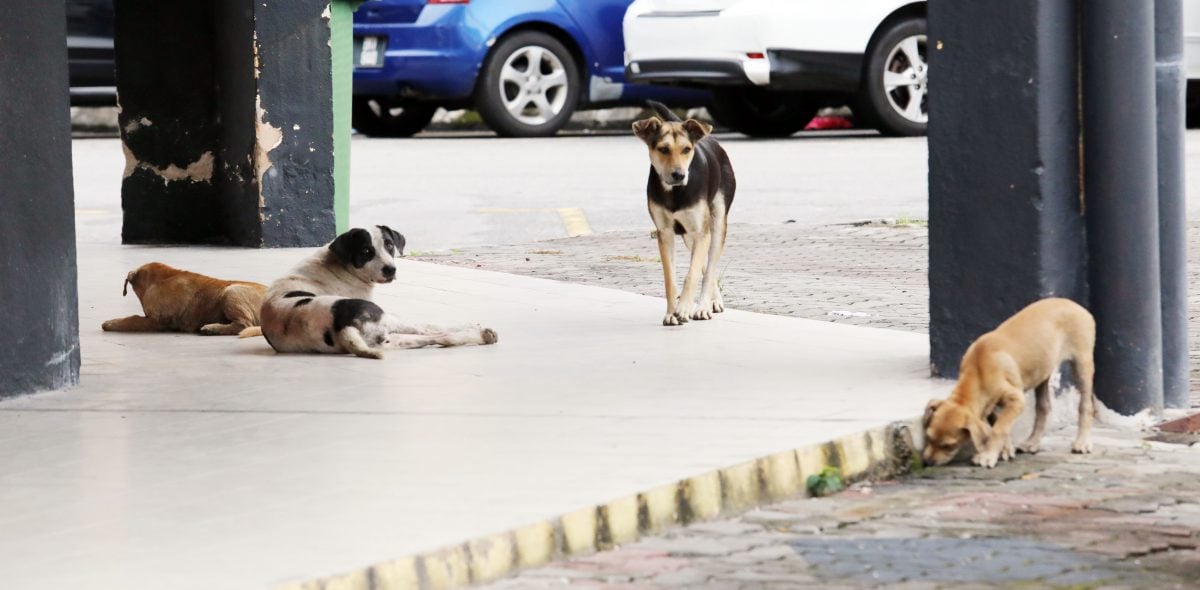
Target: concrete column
[[1121, 192], [38, 293], [1005, 219], [227, 116], [1172, 202]]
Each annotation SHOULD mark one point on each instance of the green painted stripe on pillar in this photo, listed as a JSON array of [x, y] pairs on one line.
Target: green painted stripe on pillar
[[341, 33]]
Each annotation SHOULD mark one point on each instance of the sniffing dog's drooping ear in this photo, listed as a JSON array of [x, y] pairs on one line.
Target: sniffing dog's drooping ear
[[979, 431], [354, 247], [696, 130], [396, 237], [930, 408], [647, 129]]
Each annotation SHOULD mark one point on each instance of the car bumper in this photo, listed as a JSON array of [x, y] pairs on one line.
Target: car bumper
[[437, 57], [778, 69], [727, 48]]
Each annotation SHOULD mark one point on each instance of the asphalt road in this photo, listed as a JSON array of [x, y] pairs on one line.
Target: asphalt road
[[453, 191]]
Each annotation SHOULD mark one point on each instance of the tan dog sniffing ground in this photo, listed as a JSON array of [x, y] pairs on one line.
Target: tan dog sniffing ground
[[176, 300], [689, 193], [998, 368]]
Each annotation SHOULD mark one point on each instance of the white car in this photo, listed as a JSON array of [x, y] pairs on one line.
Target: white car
[[773, 63]]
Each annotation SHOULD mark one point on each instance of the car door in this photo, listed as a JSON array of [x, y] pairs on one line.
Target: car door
[[600, 23]]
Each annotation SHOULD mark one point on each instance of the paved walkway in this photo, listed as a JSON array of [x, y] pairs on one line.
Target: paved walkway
[[871, 274], [1125, 517], [186, 462]]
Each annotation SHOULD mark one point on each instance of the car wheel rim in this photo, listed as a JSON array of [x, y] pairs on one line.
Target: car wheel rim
[[533, 85], [906, 79]]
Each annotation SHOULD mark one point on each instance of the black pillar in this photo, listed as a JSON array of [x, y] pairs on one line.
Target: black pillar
[[227, 121], [1005, 222], [38, 293], [1172, 203], [1121, 199]]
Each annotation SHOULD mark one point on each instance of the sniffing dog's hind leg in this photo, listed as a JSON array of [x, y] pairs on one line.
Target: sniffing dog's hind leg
[[1085, 372], [1033, 443], [133, 323], [351, 340]]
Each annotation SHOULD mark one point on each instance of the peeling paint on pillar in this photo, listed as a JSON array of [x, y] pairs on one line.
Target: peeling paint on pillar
[[297, 190], [226, 120]]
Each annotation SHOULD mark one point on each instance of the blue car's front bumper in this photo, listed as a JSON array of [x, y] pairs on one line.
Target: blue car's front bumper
[[436, 57]]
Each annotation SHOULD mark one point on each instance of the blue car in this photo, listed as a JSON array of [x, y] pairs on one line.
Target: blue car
[[524, 65]]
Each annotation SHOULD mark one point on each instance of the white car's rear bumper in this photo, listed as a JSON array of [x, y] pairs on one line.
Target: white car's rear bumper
[[718, 49]]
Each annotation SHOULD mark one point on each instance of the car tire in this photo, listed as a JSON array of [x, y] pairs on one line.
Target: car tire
[[391, 117], [896, 84], [757, 112], [517, 98]]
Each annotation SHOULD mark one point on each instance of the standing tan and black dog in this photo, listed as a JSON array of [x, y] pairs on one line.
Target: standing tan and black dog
[[180, 301], [690, 191]]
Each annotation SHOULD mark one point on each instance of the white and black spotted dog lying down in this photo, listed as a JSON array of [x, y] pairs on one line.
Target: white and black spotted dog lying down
[[324, 304]]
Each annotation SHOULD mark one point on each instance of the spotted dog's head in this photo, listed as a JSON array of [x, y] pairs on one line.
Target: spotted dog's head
[[672, 146], [370, 253], [948, 426]]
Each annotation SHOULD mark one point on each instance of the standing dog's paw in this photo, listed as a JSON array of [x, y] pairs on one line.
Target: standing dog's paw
[[672, 319], [489, 336], [704, 312], [1081, 447], [1008, 452], [1030, 448], [718, 307], [685, 311]]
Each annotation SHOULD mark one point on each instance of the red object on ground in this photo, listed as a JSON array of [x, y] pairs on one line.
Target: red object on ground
[[821, 123], [1186, 425]]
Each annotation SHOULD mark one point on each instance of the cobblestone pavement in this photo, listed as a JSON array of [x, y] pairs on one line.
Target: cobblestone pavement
[[1127, 516], [870, 275]]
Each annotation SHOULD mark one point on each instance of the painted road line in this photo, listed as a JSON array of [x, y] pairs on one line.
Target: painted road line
[[573, 218]]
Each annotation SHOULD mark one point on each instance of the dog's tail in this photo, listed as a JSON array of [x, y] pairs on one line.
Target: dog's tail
[[663, 111], [251, 332]]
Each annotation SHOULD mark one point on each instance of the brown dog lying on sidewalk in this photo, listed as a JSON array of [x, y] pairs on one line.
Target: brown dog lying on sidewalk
[[1022, 353], [180, 301]]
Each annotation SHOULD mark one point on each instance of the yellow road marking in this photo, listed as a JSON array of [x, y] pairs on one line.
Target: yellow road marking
[[573, 218]]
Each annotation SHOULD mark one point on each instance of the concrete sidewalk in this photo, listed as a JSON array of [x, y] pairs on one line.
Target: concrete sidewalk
[[188, 462]]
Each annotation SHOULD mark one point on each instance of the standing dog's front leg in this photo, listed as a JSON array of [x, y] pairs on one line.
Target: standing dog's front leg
[[687, 300], [999, 444], [666, 252]]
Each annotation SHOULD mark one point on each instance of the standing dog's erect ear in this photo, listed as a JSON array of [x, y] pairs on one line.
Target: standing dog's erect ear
[[696, 130], [930, 408], [346, 247], [396, 237], [647, 129]]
